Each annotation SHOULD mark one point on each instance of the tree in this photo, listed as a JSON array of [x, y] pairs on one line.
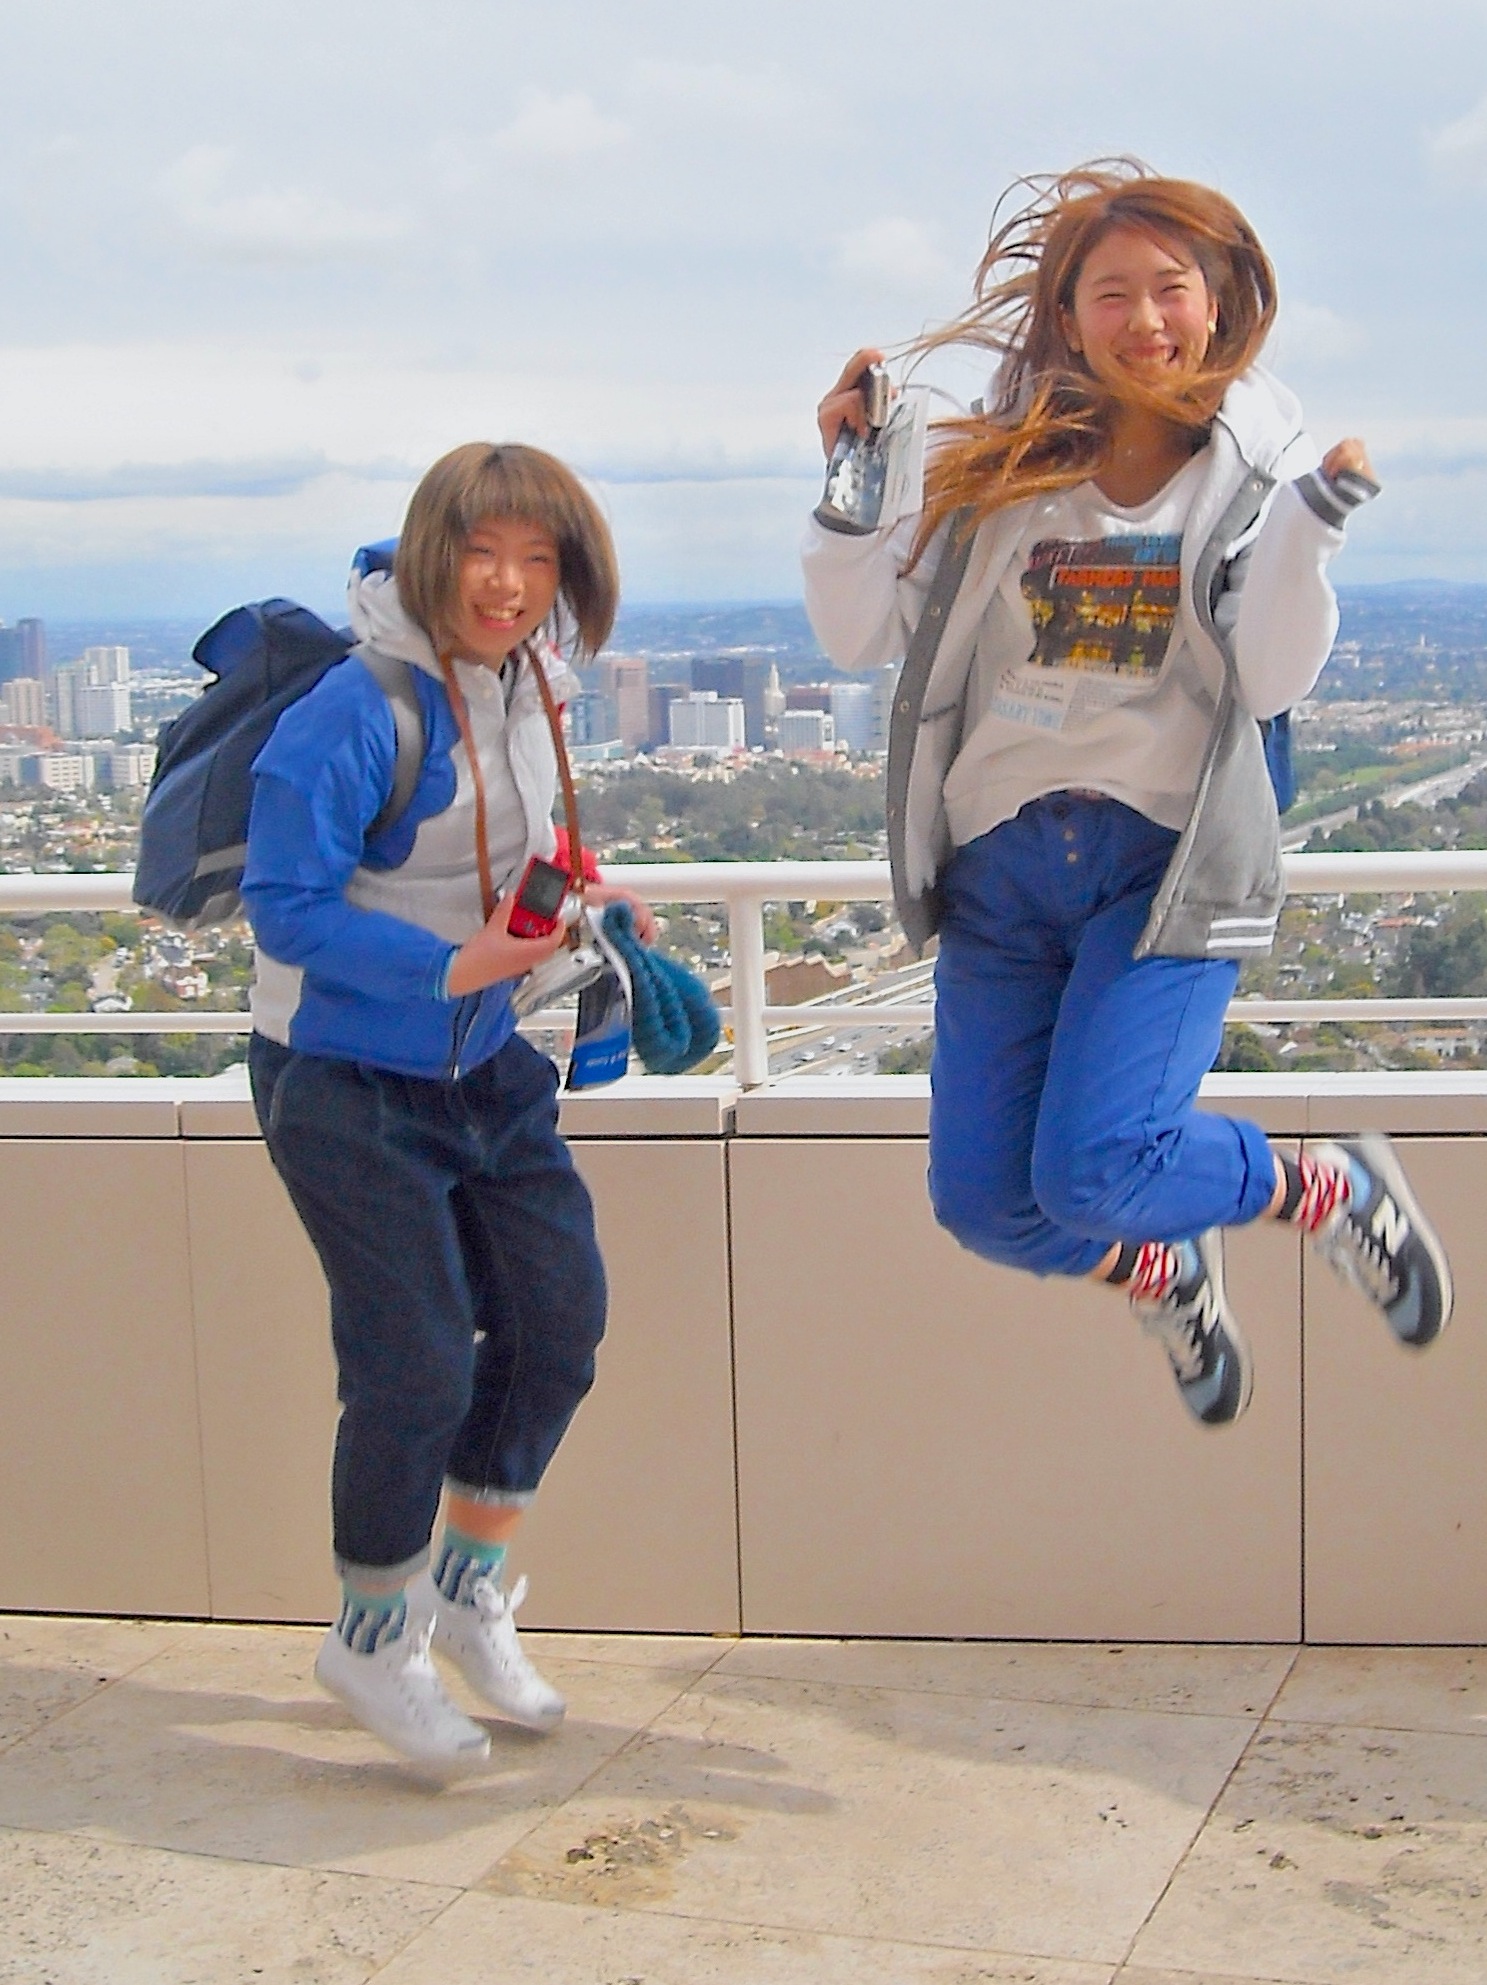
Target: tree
[[911, 1059], [1445, 963], [1244, 1053]]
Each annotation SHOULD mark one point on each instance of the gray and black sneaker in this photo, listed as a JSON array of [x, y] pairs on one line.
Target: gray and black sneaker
[[1378, 1238], [1178, 1293]]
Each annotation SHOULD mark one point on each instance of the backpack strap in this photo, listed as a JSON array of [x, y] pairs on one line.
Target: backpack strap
[[395, 678]]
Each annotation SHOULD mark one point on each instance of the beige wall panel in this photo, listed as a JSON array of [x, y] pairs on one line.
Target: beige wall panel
[[932, 1445], [268, 1389], [635, 1526], [100, 1475], [1396, 1440]]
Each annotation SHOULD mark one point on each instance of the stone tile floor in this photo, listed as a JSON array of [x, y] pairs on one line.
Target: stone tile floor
[[180, 1806]]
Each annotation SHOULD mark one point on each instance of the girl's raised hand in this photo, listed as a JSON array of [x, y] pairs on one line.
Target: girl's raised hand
[[1349, 454], [844, 403]]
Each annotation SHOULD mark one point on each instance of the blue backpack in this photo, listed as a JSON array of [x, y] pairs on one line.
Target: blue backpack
[[1275, 735], [194, 832]]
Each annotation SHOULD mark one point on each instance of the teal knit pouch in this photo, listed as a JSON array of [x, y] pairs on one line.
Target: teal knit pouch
[[674, 1021]]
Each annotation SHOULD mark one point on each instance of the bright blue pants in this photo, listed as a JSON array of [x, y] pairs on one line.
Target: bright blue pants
[[1066, 1072]]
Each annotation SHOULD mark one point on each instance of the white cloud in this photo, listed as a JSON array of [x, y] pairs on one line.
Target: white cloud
[[891, 254], [1315, 334], [560, 129], [1459, 151], [721, 540], [720, 89], [93, 422], [215, 472], [280, 223]]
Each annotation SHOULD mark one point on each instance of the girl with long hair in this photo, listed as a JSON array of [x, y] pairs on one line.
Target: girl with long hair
[[1118, 576]]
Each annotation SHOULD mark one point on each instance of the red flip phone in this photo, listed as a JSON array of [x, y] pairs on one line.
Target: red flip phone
[[537, 910]]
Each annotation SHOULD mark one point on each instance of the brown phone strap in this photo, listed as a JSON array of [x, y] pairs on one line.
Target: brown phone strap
[[565, 771], [461, 711]]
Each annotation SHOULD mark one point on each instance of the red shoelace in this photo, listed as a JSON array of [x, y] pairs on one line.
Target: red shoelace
[[1323, 1190]]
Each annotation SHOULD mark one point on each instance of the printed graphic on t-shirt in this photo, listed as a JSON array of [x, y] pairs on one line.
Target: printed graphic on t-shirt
[[1106, 604]]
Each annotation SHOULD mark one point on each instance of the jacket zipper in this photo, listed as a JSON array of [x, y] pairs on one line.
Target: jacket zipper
[[1231, 523], [464, 1020]]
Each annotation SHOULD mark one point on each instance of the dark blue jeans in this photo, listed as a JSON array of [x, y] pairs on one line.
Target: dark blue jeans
[[1066, 1071], [466, 1288]]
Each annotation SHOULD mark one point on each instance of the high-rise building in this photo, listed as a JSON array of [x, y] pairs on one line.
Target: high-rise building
[[743, 677], [884, 682], [630, 688], [622, 681], [808, 696], [659, 699], [62, 699], [852, 714], [23, 702], [32, 637], [91, 698], [806, 730], [774, 703], [102, 709], [705, 721], [592, 717], [106, 664]]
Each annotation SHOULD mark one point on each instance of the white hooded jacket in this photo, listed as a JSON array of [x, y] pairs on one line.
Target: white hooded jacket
[[1257, 617]]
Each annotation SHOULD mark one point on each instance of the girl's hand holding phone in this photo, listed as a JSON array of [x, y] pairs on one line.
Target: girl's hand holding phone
[[844, 405], [494, 954]]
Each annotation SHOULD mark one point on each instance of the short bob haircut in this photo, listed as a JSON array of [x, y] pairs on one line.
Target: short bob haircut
[[506, 480]]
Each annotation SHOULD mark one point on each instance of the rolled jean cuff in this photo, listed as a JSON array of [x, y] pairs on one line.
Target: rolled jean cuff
[[380, 1575], [1259, 1184], [472, 1492]]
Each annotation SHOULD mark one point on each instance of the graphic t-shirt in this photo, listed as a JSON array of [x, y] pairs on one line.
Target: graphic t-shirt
[[1072, 682]]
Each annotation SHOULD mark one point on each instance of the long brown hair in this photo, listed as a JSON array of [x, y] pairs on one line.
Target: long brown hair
[[485, 479], [1047, 426]]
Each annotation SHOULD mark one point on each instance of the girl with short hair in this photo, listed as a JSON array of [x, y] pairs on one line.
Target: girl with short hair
[[415, 1130]]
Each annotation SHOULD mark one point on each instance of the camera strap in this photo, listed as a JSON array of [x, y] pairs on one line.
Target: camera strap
[[565, 770], [461, 711]]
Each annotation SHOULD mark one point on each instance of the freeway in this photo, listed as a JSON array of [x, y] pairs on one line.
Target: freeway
[[816, 1045], [1419, 792]]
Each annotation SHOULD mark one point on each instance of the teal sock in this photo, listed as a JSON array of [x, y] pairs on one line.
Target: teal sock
[[370, 1619], [462, 1559]]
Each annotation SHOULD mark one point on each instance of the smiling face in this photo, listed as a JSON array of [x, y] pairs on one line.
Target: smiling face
[[508, 584], [1142, 311]]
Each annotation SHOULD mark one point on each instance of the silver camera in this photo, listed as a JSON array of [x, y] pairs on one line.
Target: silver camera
[[857, 474], [568, 971]]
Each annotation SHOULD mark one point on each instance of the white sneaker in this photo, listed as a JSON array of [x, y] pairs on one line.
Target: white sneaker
[[396, 1693], [480, 1637]]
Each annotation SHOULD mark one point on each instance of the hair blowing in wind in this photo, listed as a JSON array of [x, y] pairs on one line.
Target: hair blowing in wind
[[1047, 424]]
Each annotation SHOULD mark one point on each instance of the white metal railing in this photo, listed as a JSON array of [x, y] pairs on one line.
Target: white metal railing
[[743, 888]]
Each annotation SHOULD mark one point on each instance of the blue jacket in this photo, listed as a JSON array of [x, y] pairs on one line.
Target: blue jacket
[[355, 938]]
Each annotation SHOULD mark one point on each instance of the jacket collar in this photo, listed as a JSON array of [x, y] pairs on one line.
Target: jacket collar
[[379, 618], [1262, 417]]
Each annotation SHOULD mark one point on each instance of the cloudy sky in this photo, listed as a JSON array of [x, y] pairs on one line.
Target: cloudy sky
[[261, 264]]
